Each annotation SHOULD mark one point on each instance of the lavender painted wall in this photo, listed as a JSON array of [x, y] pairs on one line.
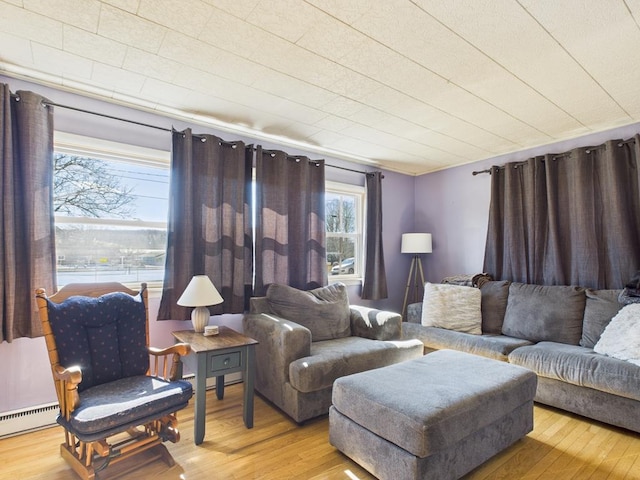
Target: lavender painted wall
[[26, 377], [453, 205]]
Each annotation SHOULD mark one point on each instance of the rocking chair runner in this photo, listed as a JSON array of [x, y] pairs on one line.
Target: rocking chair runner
[[114, 402]]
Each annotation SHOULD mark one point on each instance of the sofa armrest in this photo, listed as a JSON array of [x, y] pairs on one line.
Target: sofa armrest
[[280, 342], [375, 324], [414, 312]]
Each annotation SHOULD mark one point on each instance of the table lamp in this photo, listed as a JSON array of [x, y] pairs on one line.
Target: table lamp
[[200, 293], [417, 244]]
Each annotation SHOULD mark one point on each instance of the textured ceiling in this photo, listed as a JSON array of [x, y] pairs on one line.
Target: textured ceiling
[[410, 85]]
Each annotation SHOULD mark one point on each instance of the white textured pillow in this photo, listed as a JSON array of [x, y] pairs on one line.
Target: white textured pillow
[[621, 338], [453, 307]]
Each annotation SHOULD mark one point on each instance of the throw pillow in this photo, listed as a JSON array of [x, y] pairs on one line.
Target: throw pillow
[[544, 313], [621, 338], [602, 306], [453, 307], [324, 311]]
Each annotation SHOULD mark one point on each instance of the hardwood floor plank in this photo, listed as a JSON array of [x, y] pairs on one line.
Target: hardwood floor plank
[[562, 446]]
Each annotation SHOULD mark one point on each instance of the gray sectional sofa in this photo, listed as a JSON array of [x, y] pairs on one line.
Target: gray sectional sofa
[[308, 339], [551, 330]]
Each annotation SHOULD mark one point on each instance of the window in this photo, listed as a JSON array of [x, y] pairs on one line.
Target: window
[[344, 219], [111, 204]]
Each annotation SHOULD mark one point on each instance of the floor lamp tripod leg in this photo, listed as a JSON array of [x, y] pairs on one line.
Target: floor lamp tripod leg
[[406, 290]]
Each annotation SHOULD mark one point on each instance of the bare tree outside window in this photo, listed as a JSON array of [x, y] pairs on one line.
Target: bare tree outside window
[[109, 219], [84, 187]]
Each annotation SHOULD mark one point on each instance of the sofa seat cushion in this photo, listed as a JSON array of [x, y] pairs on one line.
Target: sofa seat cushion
[[497, 347], [332, 359], [580, 366], [114, 406]]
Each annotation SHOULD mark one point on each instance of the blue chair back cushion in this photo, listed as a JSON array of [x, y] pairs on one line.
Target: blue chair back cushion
[[105, 336], [109, 409]]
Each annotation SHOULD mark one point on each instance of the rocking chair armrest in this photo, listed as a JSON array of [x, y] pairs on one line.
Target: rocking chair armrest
[[159, 366], [67, 381], [182, 349]]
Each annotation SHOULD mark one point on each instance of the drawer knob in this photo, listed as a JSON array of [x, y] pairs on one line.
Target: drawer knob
[[227, 361]]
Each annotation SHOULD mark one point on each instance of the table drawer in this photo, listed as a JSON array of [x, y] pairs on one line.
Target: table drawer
[[224, 361]]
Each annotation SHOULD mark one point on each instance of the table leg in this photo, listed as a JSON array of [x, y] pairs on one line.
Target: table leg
[[201, 398], [249, 373], [220, 387]]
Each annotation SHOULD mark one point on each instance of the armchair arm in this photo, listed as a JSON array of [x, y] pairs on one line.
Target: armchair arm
[[67, 381], [280, 342], [375, 324], [161, 360]]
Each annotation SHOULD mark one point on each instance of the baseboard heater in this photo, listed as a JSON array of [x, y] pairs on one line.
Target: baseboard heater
[[43, 416], [28, 419]]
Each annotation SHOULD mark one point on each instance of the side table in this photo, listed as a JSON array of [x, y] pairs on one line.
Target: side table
[[217, 356]]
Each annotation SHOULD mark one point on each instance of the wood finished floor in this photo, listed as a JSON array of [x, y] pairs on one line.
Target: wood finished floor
[[561, 447]]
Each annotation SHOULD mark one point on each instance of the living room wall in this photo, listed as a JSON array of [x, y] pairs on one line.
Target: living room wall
[[453, 205], [26, 377]]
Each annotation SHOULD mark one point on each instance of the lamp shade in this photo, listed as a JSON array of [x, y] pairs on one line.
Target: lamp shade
[[200, 293], [416, 243]]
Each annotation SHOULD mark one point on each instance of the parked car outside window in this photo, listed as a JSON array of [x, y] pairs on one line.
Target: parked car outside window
[[346, 267]]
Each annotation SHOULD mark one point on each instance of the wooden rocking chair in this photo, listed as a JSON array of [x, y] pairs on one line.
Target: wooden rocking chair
[[114, 401]]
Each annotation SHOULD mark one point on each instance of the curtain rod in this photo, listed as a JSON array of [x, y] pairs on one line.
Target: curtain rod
[[49, 103], [557, 155]]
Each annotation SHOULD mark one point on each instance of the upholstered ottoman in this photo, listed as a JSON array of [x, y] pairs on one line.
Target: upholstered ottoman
[[436, 417]]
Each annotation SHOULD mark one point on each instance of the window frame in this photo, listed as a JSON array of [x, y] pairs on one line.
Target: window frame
[[359, 193], [110, 151]]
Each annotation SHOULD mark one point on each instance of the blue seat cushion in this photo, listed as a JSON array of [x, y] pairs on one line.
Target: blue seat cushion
[[113, 407]]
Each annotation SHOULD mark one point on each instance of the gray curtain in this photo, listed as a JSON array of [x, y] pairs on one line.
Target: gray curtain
[[27, 246], [374, 286], [209, 230], [290, 231], [567, 219]]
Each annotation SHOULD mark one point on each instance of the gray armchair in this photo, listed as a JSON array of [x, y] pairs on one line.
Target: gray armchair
[[309, 339]]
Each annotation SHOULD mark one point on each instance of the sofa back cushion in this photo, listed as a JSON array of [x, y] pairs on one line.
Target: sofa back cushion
[[324, 311], [601, 307], [545, 313], [494, 305]]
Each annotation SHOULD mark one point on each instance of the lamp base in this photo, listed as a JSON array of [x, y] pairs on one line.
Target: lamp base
[[200, 318]]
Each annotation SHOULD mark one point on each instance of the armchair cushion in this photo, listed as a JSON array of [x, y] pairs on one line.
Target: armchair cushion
[[324, 311], [128, 401], [98, 335]]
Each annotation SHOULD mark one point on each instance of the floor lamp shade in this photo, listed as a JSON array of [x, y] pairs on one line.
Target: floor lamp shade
[[416, 243], [200, 293]]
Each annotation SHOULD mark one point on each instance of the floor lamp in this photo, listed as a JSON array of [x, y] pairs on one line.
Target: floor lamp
[[417, 244]]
